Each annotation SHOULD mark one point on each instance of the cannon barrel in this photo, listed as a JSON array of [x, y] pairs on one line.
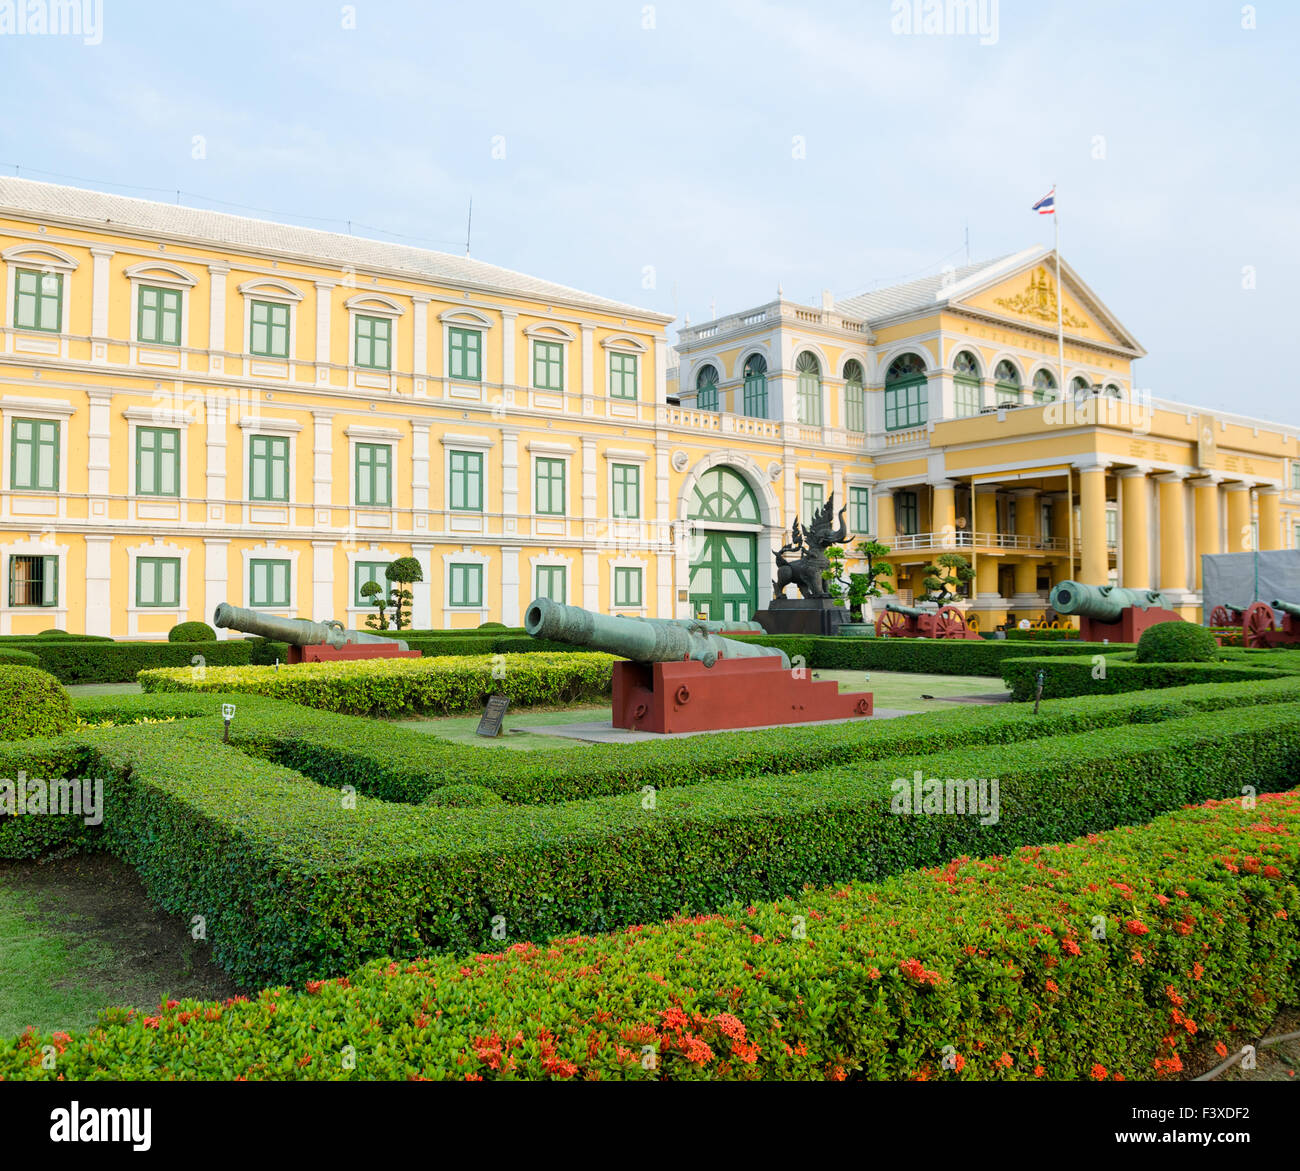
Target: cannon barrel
[[1101, 603], [910, 611], [708, 625], [295, 631], [642, 641], [1287, 608]]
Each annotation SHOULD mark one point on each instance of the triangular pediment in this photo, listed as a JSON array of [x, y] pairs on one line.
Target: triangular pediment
[[1029, 295]]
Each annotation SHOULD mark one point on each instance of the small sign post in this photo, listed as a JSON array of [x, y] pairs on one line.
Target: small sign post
[[493, 713]]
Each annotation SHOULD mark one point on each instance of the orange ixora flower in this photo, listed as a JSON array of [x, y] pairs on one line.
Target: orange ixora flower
[[1098, 1072]]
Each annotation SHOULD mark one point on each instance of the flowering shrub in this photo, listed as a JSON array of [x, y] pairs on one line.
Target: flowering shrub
[[406, 686], [1017, 967]]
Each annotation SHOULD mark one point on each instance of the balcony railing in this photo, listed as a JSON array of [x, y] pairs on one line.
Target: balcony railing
[[963, 539]]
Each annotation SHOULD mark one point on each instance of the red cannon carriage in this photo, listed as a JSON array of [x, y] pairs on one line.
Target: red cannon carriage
[[913, 622]]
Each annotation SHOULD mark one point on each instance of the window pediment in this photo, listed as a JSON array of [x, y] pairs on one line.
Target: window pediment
[[270, 289], [374, 303], [157, 273], [40, 256]]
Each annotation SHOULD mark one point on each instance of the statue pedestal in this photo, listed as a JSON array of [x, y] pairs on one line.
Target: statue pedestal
[[802, 616]]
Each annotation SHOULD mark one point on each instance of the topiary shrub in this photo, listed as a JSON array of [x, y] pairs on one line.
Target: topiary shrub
[[191, 632], [1176, 642], [32, 704], [16, 658], [492, 626]]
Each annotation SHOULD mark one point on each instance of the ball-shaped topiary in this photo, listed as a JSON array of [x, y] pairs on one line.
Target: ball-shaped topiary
[[191, 632], [32, 704], [1176, 642], [404, 570], [492, 626]]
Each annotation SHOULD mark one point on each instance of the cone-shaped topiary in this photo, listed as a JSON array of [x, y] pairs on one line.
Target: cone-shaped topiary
[[191, 632], [1176, 642], [32, 704]]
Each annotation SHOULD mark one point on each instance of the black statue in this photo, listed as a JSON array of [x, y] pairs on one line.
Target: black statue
[[811, 544]]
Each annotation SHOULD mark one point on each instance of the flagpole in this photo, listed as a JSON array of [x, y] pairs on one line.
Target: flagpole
[[1060, 328]]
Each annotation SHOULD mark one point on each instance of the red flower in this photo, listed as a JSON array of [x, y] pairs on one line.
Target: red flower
[[1070, 947], [1221, 1049], [1098, 1072], [1133, 927]]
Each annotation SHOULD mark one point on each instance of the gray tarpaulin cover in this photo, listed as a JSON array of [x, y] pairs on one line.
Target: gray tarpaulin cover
[[1229, 579]]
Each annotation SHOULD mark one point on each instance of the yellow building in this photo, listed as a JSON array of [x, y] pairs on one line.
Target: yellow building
[[934, 410], [199, 407]]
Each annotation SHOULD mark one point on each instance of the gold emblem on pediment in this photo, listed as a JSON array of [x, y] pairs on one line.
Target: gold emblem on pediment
[[1039, 300]]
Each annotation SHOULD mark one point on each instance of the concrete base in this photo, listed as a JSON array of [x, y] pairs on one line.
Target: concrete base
[[802, 616], [599, 732]]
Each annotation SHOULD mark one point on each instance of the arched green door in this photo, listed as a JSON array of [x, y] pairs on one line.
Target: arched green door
[[724, 562]]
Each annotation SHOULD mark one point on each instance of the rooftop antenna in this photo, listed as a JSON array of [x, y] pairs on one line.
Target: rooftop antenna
[[469, 224]]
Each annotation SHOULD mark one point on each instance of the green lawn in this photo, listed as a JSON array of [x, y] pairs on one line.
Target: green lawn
[[48, 976]]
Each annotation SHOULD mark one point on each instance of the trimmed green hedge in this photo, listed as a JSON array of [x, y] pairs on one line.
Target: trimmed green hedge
[[32, 704], [986, 969], [191, 632], [398, 687], [32, 836], [1051, 635], [295, 880], [80, 660], [397, 764], [1109, 674], [1176, 642], [17, 658]]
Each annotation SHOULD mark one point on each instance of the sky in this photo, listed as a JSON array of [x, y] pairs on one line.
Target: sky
[[691, 156]]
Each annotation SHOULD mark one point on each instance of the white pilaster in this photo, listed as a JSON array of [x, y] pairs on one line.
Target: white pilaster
[[215, 472], [216, 578], [99, 580], [99, 302], [324, 290], [322, 582], [99, 451], [322, 453], [590, 580], [510, 604], [422, 591], [420, 333], [217, 312], [588, 369], [420, 469]]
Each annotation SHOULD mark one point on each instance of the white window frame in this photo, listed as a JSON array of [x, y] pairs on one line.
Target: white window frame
[[46, 259]]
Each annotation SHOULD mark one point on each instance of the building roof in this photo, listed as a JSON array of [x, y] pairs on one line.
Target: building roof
[[930, 291], [28, 199]]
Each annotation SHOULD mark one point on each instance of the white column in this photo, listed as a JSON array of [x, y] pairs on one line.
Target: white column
[[99, 302], [99, 452], [589, 514], [323, 293], [661, 371], [590, 580], [420, 333], [508, 373], [588, 369], [420, 467], [664, 586], [99, 581], [322, 454], [510, 484], [422, 591], [510, 603], [217, 313], [322, 581], [783, 386], [215, 415], [216, 579]]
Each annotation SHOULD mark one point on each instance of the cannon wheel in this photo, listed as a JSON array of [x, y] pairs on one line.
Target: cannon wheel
[[891, 624], [1257, 625], [1219, 616], [949, 622]]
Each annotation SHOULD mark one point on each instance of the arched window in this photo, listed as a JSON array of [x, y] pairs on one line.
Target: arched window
[[723, 494], [809, 372], [1044, 386], [1113, 391], [1006, 383], [905, 393], [756, 386], [968, 392], [1080, 387], [706, 389], [855, 404]]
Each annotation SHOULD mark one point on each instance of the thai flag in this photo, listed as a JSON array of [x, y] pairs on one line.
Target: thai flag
[[1046, 205]]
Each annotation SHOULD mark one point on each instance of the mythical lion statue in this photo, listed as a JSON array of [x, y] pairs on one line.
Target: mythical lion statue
[[811, 544]]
